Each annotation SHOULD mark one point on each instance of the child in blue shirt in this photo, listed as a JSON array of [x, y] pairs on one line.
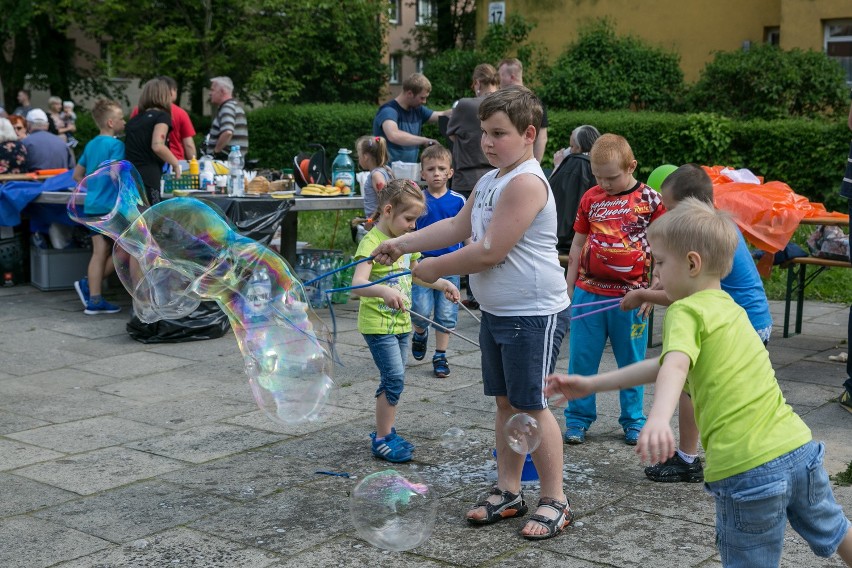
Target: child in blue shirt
[[744, 286], [100, 200], [436, 166]]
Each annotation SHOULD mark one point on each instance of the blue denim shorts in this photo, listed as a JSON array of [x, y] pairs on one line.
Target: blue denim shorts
[[518, 352], [390, 353], [753, 507], [427, 301]]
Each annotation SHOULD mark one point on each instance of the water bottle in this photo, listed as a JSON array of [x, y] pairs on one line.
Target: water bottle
[[236, 178], [258, 292], [205, 175], [343, 171]]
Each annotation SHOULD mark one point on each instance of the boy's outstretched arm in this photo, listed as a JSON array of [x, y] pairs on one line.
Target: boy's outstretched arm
[[571, 387], [393, 298], [656, 442]]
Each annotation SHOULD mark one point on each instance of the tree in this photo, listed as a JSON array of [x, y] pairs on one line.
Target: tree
[[273, 50]]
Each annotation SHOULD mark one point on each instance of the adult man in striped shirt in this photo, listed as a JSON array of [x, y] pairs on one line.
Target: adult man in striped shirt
[[229, 128]]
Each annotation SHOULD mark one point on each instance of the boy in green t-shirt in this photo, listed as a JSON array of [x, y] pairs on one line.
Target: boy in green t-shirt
[[763, 468]]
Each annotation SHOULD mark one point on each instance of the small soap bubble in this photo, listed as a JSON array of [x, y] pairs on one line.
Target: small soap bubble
[[393, 511], [522, 433], [453, 439]]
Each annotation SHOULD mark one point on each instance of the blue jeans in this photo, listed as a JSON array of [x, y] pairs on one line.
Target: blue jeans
[[427, 301], [628, 335], [753, 507], [390, 353]]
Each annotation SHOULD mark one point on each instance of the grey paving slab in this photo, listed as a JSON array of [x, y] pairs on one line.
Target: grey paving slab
[[12, 422], [177, 383], [187, 412], [40, 358], [99, 470], [204, 443], [14, 454], [134, 364], [176, 547], [156, 506], [21, 495], [85, 435], [39, 543], [67, 405], [330, 415], [347, 552]]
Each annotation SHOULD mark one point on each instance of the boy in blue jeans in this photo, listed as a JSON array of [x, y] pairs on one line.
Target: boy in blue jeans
[[436, 167], [763, 468], [609, 256], [744, 285], [100, 200]]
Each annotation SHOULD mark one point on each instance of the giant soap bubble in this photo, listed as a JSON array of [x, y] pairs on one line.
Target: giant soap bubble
[[393, 511], [182, 251]]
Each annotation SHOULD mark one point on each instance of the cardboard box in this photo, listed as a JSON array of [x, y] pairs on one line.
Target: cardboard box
[[53, 269]]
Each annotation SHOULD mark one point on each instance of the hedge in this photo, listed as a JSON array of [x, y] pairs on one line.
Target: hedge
[[809, 155]]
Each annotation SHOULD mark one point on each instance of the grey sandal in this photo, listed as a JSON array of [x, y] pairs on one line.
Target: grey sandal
[[554, 526], [511, 505]]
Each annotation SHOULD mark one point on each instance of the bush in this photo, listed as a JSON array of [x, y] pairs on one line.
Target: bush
[[603, 71], [767, 82]]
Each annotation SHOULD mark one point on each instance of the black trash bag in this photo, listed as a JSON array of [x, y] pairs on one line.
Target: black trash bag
[[257, 219], [208, 321]]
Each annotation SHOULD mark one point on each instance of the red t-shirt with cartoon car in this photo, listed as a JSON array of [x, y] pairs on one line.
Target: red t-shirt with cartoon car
[[616, 257]]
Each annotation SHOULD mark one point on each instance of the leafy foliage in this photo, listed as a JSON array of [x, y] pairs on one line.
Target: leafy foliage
[[767, 82], [604, 71]]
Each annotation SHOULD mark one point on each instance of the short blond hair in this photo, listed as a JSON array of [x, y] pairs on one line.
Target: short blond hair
[[519, 103], [103, 110], [697, 226], [416, 83], [612, 147], [436, 152]]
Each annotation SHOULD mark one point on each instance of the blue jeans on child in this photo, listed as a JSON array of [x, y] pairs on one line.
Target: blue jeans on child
[[628, 335], [753, 507], [427, 301], [390, 353]]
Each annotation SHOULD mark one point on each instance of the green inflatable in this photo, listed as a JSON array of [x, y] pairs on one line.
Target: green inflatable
[[659, 175]]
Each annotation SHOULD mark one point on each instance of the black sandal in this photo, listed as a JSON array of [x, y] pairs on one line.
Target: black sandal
[[554, 526], [512, 505]]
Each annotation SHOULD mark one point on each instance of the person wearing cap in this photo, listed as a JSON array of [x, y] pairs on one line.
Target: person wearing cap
[[229, 128], [45, 151]]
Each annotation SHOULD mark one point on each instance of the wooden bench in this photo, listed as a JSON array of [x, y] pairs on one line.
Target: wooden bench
[[798, 280]]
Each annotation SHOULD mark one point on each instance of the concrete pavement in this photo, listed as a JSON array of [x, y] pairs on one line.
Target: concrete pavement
[[114, 453]]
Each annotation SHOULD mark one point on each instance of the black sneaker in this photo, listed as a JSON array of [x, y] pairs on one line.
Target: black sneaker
[[675, 469], [418, 344]]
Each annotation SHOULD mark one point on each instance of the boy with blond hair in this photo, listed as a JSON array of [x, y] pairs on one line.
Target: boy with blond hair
[[511, 222], [763, 468], [100, 200], [436, 168], [609, 256]]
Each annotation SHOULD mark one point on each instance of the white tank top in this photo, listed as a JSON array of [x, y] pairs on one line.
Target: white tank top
[[529, 281]]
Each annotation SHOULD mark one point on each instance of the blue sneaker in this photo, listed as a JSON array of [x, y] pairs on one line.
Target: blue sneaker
[[418, 344], [405, 442], [440, 366], [82, 287], [631, 435], [575, 435], [392, 449], [102, 307]]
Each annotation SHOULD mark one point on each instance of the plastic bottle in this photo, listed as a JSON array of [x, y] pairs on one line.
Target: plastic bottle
[[206, 175], [258, 292], [193, 167], [236, 178], [343, 170]]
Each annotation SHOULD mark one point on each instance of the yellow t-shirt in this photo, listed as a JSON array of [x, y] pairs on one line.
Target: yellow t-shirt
[[739, 408], [374, 317]]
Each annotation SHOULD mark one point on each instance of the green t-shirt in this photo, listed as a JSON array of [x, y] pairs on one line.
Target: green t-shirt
[[739, 408], [374, 317]]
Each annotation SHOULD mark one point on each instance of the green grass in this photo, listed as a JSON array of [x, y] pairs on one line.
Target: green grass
[[318, 229], [833, 285]]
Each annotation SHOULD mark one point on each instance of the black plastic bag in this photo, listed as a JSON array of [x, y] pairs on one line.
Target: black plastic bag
[[208, 321]]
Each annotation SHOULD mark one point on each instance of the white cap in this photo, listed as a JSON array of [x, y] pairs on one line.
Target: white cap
[[36, 115]]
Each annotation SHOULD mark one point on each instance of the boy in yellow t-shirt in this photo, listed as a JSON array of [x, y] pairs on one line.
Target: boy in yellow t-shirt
[[763, 468]]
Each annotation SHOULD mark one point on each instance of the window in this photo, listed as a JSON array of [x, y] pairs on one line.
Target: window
[[395, 69], [772, 36], [838, 44], [425, 11], [393, 12]]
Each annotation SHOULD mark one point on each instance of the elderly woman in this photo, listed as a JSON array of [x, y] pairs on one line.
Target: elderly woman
[[570, 180], [54, 105], [13, 154]]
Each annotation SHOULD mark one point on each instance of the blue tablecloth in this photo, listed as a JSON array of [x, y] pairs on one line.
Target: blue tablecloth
[[16, 196]]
